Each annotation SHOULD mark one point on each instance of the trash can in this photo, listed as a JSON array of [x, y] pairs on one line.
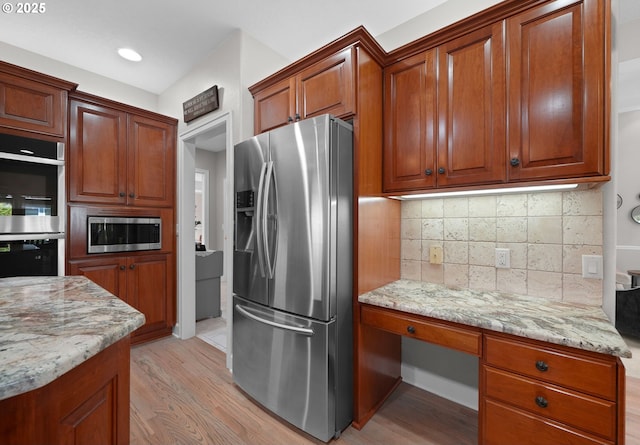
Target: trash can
[[628, 312], [208, 273]]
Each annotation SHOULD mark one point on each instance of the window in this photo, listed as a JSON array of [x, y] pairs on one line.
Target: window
[[201, 205]]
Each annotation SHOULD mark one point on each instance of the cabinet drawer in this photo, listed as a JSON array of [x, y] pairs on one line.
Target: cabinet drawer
[[438, 332], [503, 425], [582, 373], [587, 413]]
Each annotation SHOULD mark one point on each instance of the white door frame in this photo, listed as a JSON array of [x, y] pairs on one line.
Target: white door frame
[[186, 259]]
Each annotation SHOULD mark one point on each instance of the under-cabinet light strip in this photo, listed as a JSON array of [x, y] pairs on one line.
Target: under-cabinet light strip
[[497, 191]]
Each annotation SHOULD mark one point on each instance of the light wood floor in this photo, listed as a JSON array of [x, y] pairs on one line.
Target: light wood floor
[[181, 393]]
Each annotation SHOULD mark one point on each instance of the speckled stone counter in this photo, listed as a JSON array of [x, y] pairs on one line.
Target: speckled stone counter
[[579, 326], [50, 325]]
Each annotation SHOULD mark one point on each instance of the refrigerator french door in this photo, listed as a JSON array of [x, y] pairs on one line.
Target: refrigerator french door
[[292, 280]]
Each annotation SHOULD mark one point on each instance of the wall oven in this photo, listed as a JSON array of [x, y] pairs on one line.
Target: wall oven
[[123, 234], [32, 206]]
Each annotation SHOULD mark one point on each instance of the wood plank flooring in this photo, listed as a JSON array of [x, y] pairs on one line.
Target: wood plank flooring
[[181, 393]]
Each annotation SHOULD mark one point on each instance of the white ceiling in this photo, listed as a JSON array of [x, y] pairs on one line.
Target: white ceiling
[[174, 35]]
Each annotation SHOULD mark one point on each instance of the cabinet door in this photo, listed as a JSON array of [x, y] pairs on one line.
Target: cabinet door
[[29, 105], [109, 273], [410, 124], [274, 106], [149, 286], [327, 87], [151, 163], [97, 154], [471, 104], [556, 90]]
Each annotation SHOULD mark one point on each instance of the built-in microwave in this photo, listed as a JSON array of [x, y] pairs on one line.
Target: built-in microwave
[[123, 234]]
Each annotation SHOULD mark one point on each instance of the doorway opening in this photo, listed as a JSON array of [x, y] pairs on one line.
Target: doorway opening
[[205, 147]]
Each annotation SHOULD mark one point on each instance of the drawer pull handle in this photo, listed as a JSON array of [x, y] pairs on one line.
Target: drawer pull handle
[[542, 402], [411, 330], [542, 366]]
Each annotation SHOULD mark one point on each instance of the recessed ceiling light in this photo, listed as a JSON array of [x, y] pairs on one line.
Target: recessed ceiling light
[[129, 54]]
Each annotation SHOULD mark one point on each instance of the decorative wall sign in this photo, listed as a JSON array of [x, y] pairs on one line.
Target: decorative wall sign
[[203, 103]]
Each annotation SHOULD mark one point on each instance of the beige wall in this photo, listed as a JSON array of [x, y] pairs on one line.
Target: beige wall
[[547, 234]]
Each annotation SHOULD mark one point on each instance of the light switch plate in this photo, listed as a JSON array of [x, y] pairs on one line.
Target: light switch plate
[[435, 254], [592, 266]]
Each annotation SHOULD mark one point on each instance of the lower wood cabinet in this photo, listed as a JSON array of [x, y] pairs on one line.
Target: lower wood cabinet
[[142, 281], [87, 405]]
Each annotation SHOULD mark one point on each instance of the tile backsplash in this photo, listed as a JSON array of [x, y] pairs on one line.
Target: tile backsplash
[[546, 234]]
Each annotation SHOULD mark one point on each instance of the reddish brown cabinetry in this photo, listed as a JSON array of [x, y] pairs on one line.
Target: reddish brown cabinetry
[[87, 405], [118, 157], [33, 102], [325, 87], [557, 58], [444, 115]]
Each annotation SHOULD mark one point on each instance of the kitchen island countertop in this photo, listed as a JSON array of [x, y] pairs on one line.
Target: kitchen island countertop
[[50, 325], [569, 324]]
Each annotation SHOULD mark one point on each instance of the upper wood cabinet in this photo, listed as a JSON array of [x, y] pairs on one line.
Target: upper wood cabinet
[[33, 102], [325, 87], [521, 98], [444, 115], [120, 157], [557, 56]]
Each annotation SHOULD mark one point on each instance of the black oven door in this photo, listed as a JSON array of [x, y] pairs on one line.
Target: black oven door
[[29, 258]]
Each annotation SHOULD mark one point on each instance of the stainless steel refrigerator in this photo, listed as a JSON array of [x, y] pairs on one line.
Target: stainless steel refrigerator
[[292, 273]]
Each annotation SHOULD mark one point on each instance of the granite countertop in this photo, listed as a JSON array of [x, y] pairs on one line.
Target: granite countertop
[[579, 326], [50, 325]]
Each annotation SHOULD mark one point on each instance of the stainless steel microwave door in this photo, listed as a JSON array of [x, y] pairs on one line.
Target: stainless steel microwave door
[[249, 275], [300, 157]]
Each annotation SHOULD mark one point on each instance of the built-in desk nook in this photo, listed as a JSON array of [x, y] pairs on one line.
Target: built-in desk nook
[[550, 372]]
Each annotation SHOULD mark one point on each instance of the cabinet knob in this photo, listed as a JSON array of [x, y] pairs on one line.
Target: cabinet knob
[[542, 402], [122, 194], [515, 162], [122, 268], [289, 119], [428, 172], [297, 117], [133, 266], [542, 366], [411, 329], [441, 170], [132, 195]]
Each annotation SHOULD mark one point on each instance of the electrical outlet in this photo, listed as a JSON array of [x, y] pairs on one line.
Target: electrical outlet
[[435, 254], [503, 260]]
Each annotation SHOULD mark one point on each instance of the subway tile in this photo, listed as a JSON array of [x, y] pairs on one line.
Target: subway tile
[[411, 209], [517, 253], [432, 273], [482, 254], [410, 270]]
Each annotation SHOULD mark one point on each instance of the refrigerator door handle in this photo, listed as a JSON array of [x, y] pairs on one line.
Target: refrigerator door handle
[[270, 264], [260, 216], [296, 329]]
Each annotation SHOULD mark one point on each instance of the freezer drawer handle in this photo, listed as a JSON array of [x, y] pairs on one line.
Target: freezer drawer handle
[[297, 329]]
